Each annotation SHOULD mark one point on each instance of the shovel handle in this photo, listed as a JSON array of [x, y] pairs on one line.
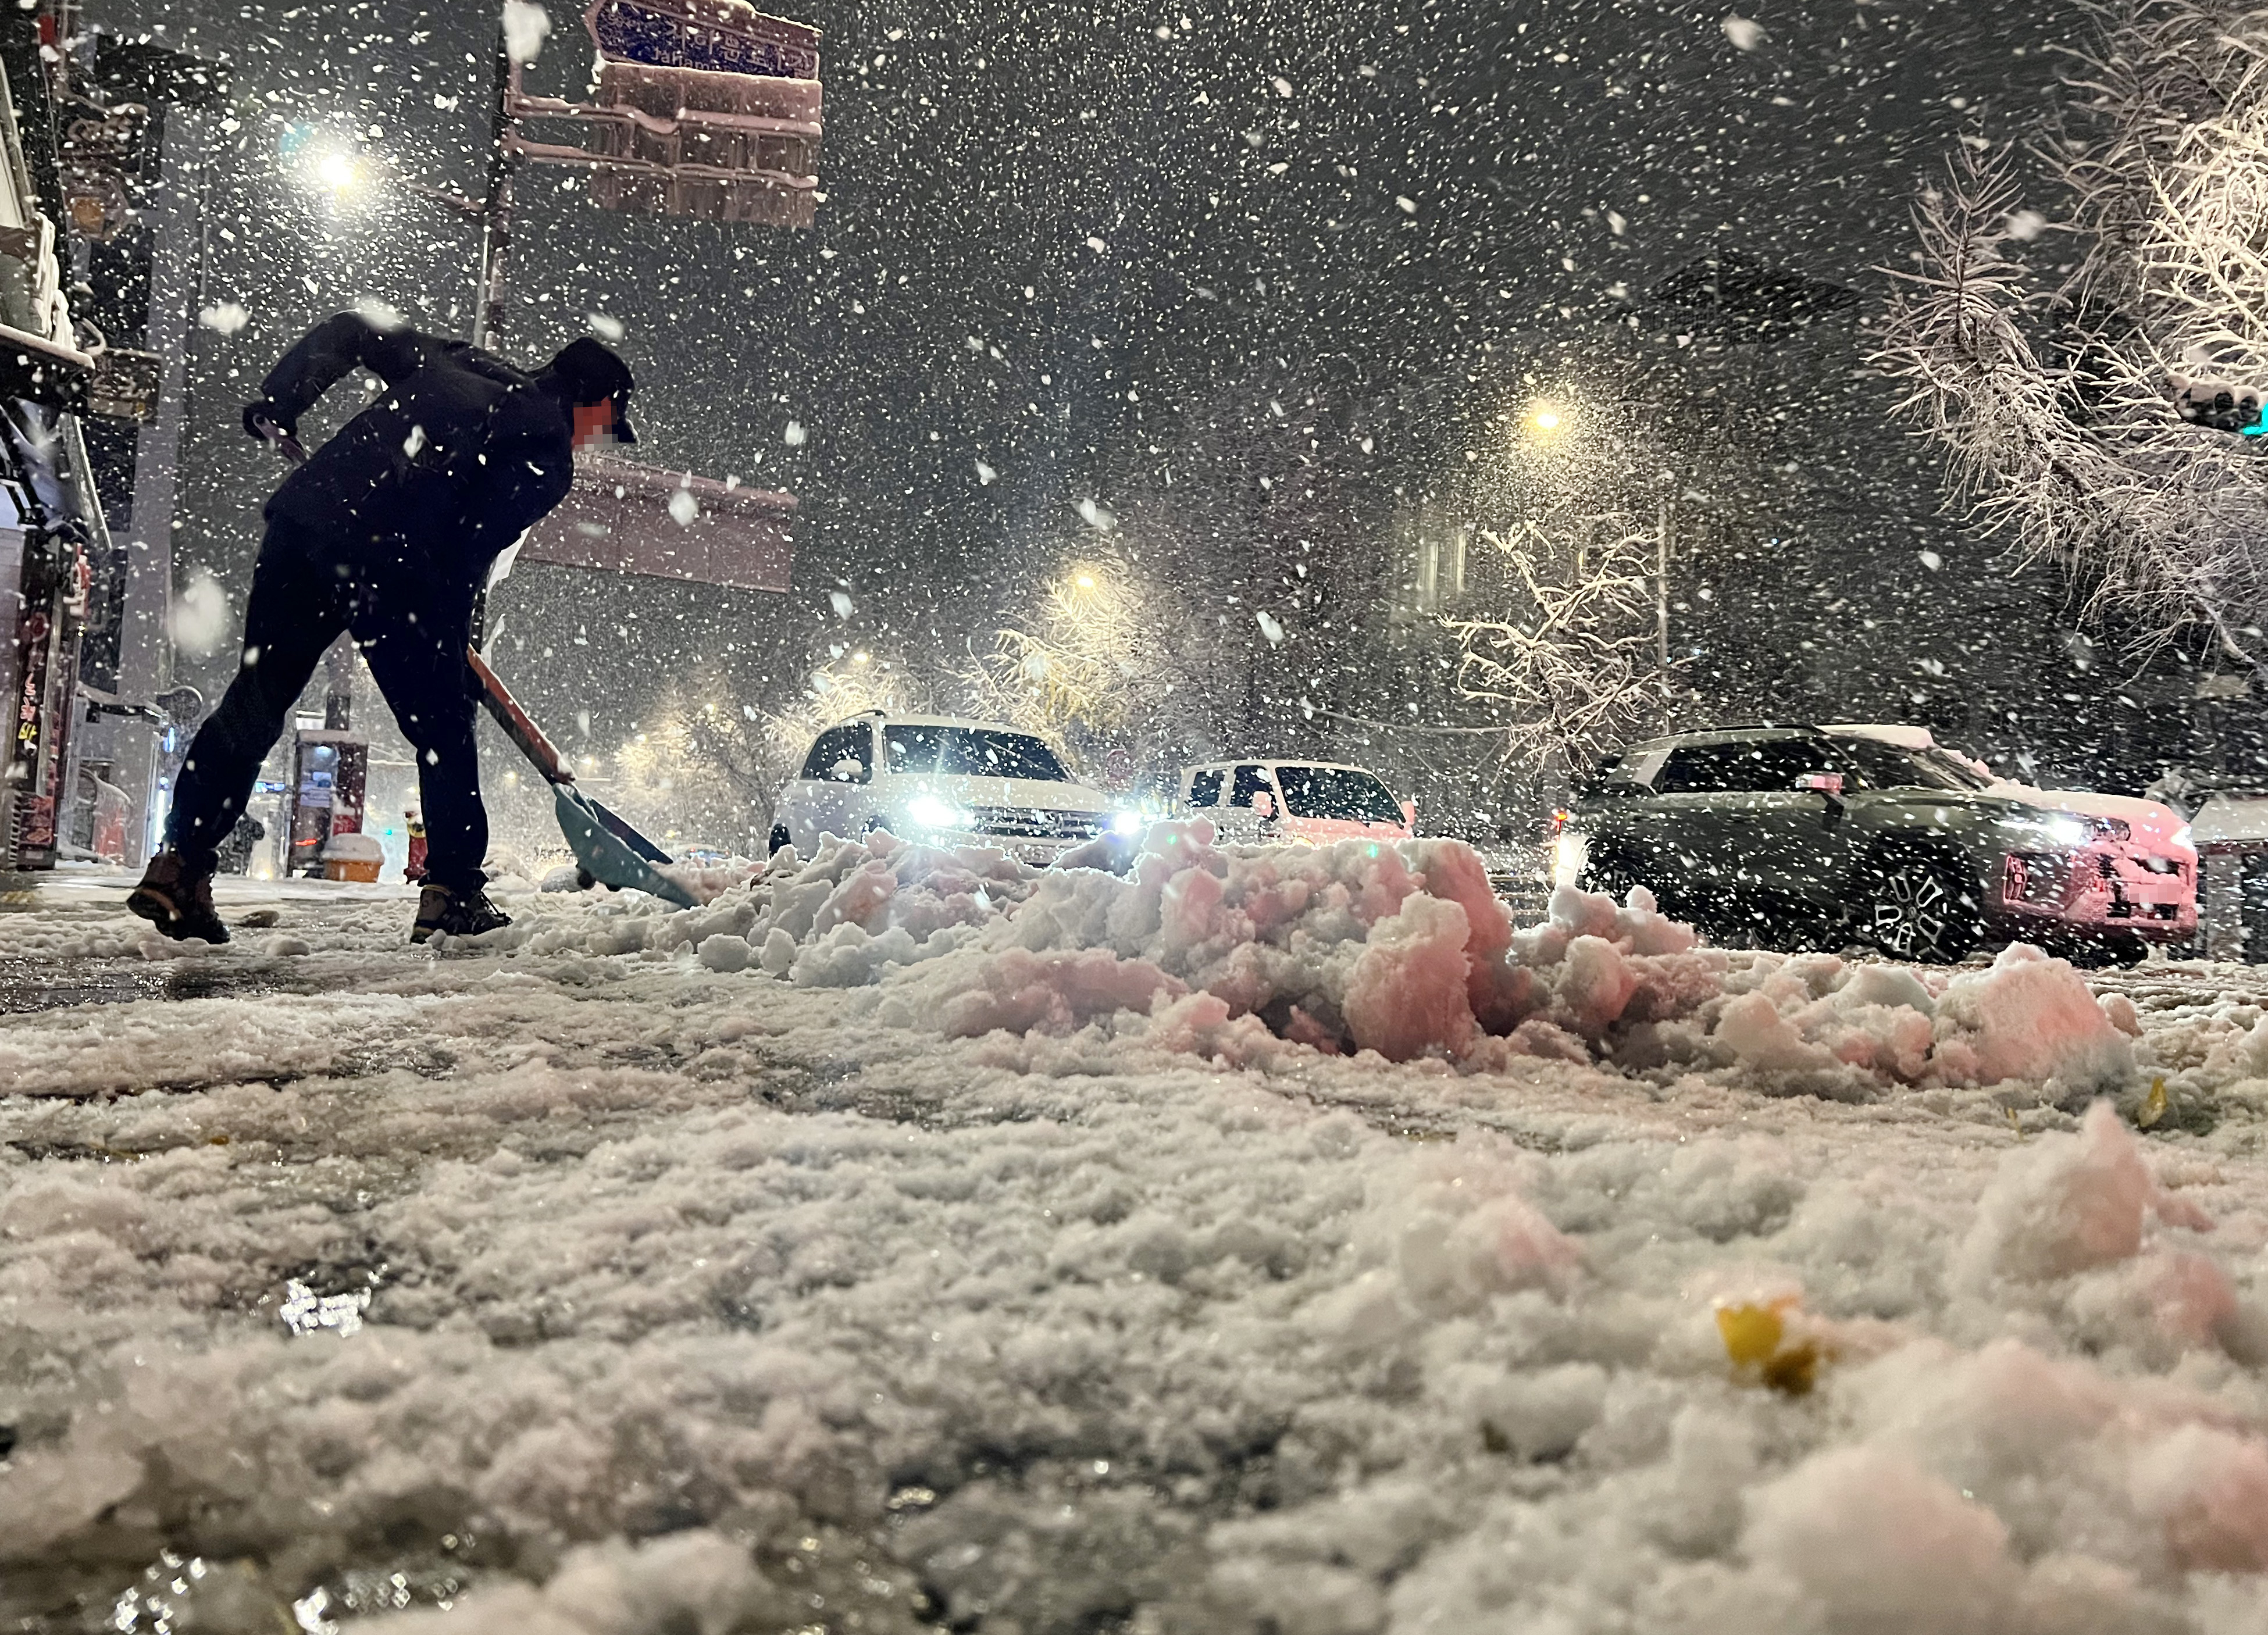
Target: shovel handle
[[517, 724]]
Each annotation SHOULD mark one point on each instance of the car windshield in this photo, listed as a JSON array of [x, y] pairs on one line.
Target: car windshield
[[1953, 767], [1337, 792], [972, 752], [1888, 766]]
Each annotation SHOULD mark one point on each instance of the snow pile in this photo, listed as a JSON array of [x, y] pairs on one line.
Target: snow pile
[[1253, 955], [2006, 1488], [1400, 950], [2029, 1017], [2070, 1204], [1816, 1023], [838, 920], [696, 1581]]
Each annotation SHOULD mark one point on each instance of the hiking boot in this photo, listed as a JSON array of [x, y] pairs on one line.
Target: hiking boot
[[455, 915], [178, 902]]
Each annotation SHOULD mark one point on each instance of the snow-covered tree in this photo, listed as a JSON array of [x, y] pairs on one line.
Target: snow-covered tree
[[1066, 671], [1099, 663], [2041, 357], [706, 763], [1570, 660]]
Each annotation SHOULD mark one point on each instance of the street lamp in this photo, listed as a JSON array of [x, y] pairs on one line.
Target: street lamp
[[1545, 419], [337, 171]]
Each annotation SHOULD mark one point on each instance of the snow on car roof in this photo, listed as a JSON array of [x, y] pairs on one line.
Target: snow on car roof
[[1321, 766], [885, 719], [1761, 731], [1888, 732]]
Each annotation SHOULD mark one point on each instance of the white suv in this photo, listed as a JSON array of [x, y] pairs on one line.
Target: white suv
[[945, 782]]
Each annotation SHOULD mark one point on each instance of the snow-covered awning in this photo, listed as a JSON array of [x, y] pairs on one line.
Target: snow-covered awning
[[632, 518]]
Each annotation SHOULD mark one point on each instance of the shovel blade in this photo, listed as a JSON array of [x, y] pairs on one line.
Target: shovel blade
[[605, 856]]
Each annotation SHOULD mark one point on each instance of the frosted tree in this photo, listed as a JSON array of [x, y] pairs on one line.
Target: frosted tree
[[1571, 661], [2046, 380], [1095, 665], [1065, 671], [707, 764]]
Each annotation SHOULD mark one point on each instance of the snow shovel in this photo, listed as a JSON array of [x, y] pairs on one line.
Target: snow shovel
[[607, 850], [606, 847]]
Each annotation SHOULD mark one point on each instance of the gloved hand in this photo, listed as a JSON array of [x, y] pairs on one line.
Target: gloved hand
[[254, 413]]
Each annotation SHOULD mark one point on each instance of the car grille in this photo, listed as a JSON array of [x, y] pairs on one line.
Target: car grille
[[1034, 823]]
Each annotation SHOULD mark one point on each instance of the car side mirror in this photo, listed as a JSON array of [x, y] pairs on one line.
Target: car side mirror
[[1821, 783], [1263, 805], [1410, 812], [848, 770]]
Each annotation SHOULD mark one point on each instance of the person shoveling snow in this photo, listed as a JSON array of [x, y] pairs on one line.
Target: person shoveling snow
[[386, 533]]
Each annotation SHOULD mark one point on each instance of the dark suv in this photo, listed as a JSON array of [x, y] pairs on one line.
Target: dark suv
[[1791, 836]]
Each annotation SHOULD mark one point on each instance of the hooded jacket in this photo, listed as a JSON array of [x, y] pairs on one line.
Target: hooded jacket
[[458, 455]]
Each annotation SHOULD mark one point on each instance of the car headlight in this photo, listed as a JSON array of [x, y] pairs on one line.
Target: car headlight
[[932, 812], [2063, 834], [1126, 825], [2182, 838]]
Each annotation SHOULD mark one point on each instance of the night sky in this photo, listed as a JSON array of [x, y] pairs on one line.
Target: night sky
[[1318, 228]]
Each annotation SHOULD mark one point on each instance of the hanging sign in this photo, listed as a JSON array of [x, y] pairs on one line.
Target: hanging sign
[[714, 36]]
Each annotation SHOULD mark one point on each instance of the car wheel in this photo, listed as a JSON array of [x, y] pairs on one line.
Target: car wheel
[[779, 839], [1921, 908], [1609, 874]]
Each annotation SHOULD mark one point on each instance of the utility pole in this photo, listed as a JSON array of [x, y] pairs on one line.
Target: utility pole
[[495, 206]]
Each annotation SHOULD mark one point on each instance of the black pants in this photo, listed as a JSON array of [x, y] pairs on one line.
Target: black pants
[[411, 632]]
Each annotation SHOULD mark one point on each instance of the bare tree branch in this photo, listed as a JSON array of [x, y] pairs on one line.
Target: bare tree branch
[[2049, 399], [1573, 665]]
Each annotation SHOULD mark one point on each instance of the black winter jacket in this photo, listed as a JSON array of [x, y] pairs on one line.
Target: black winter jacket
[[457, 456]]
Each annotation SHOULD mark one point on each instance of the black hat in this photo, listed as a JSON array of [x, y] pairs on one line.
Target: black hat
[[594, 374]]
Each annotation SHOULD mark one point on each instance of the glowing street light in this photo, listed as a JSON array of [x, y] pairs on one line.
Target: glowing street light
[[337, 170], [1085, 581], [1544, 418]]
